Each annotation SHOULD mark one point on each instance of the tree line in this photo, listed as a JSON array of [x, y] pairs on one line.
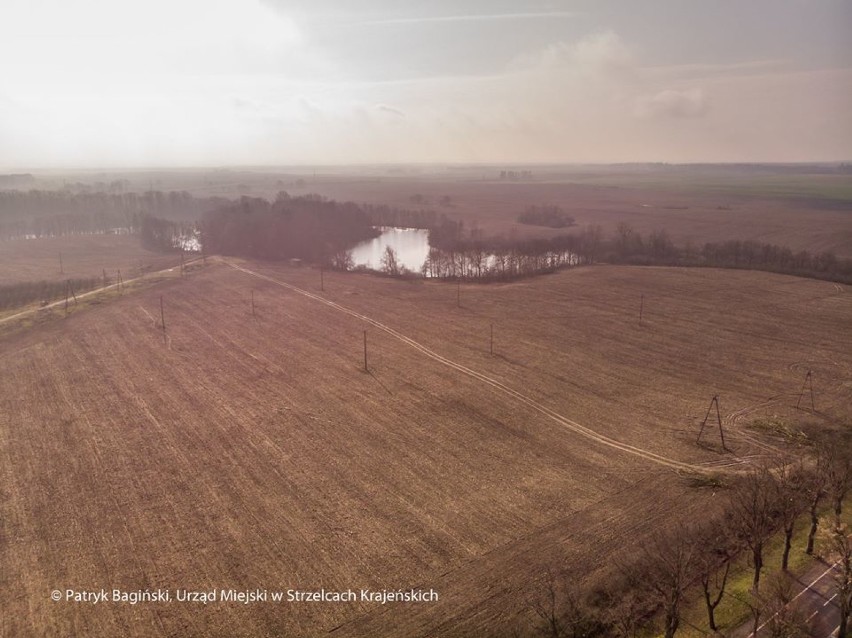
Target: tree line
[[42, 213], [630, 247], [546, 215], [384, 215], [694, 561], [458, 253]]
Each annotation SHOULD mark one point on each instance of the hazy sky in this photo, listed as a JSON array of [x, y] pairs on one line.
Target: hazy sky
[[216, 82]]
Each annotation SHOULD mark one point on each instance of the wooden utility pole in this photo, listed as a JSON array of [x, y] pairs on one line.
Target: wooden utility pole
[[162, 319], [253, 314], [365, 352], [66, 297], [61, 268], [322, 280], [491, 348], [119, 281], [713, 401], [809, 382], [182, 264]]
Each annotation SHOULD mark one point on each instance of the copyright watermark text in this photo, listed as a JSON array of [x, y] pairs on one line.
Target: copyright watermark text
[[242, 596]]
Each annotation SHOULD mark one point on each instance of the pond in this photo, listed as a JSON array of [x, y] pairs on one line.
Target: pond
[[411, 246], [412, 249]]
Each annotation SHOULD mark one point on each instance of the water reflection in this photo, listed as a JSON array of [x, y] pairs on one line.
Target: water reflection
[[474, 261], [411, 246]]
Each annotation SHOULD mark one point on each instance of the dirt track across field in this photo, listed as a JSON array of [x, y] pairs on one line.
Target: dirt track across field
[[572, 425]]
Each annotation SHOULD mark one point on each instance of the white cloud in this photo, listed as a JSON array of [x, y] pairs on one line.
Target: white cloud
[[471, 17], [65, 41], [673, 104], [599, 52]]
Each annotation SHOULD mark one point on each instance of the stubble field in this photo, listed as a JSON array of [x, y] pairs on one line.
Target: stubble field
[[255, 452]]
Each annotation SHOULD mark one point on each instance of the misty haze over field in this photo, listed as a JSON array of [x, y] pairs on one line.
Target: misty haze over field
[[211, 82]]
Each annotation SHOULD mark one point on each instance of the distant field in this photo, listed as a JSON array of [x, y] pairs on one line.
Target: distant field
[[256, 452], [835, 188], [698, 215], [82, 256], [789, 207]]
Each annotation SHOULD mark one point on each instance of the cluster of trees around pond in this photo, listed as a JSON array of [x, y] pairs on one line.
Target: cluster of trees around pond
[[309, 227], [322, 231], [647, 593], [458, 253]]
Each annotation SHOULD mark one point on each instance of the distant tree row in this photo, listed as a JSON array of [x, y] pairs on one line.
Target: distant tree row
[[630, 247], [14, 180], [423, 200], [113, 186], [503, 259], [61, 224], [512, 176], [549, 216], [310, 227], [383, 215], [42, 213]]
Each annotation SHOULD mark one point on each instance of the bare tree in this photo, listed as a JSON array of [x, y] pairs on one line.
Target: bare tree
[[717, 547], [664, 572], [753, 514], [839, 476], [590, 242], [390, 262], [546, 607], [342, 260], [562, 614], [815, 488], [791, 497], [628, 616], [831, 478]]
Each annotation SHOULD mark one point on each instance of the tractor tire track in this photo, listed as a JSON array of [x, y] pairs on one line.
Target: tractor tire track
[[493, 383]]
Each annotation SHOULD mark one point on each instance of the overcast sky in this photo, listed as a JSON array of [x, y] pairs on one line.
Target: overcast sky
[[248, 82]]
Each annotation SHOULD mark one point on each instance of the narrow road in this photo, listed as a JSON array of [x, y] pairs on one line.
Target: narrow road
[[82, 295], [816, 601]]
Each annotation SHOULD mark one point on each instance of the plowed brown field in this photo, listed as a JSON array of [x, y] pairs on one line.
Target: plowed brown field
[[255, 452]]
